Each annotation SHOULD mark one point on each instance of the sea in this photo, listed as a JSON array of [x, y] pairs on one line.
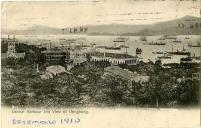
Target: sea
[[133, 42]]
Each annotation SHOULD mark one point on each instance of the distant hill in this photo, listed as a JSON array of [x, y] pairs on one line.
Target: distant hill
[[34, 30], [187, 25]]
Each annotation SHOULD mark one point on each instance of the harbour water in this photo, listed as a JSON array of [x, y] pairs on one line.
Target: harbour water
[[133, 42]]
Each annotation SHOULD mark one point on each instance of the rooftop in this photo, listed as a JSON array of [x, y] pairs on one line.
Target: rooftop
[[112, 55], [52, 51], [125, 73]]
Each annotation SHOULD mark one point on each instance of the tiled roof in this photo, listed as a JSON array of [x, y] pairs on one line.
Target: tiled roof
[[125, 73]]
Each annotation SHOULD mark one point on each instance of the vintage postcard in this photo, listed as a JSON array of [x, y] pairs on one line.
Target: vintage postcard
[[100, 64]]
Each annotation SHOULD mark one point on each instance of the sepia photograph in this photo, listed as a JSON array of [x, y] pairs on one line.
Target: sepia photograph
[[143, 56]]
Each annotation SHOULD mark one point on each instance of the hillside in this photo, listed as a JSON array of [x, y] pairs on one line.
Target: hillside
[[186, 25]]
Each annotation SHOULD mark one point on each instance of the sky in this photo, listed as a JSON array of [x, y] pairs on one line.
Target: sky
[[22, 15]]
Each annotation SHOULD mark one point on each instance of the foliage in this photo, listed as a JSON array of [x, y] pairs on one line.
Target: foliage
[[89, 85]]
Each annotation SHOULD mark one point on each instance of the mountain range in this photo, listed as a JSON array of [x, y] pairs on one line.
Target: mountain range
[[187, 25]]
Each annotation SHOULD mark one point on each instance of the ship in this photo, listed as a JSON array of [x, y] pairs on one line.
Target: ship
[[100, 46], [161, 38], [123, 46], [156, 43], [114, 47], [68, 40], [176, 41], [143, 38], [188, 59], [170, 37], [198, 45], [180, 53], [187, 38], [183, 52], [196, 57], [158, 52], [165, 56], [71, 40], [120, 39]]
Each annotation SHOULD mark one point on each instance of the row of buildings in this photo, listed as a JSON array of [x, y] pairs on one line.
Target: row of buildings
[[72, 54]]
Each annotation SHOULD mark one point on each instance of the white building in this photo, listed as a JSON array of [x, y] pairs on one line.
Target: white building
[[115, 58]]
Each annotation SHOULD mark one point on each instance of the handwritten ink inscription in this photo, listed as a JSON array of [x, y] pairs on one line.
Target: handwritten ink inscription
[[62, 121]]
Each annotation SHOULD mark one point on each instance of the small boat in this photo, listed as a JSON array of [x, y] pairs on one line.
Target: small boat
[[138, 50]]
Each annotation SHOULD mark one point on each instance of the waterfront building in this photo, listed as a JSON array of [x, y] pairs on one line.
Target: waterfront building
[[69, 57], [115, 58]]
